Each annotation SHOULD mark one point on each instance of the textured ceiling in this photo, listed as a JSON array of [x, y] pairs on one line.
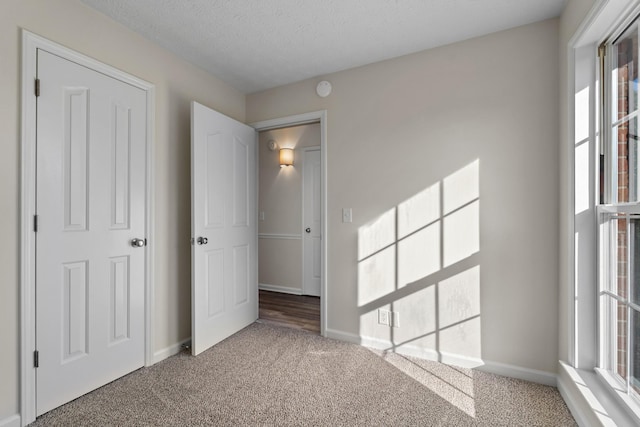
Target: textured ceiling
[[259, 44]]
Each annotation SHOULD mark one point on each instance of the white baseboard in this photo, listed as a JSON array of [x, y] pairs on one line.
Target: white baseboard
[[512, 371], [169, 351], [12, 421], [280, 236], [541, 377], [342, 336], [407, 350], [281, 289]]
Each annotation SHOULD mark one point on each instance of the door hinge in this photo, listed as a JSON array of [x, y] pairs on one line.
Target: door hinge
[[37, 87], [36, 359], [35, 223], [602, 50]]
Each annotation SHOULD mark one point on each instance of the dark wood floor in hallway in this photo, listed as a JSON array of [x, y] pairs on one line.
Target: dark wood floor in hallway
[[293, 311]]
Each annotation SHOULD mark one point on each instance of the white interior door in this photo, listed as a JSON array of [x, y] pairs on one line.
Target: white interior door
[[311, 217], [224, 288], [91, 168]]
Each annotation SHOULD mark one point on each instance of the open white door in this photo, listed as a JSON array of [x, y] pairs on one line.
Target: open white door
[[224, 285]]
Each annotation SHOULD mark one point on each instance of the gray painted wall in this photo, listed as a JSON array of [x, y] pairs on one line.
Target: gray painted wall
[[400, 128]]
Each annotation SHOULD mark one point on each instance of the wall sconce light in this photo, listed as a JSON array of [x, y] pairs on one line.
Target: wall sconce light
[[286, 157]]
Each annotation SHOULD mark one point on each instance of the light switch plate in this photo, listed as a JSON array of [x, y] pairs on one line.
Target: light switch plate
[[346, 215]]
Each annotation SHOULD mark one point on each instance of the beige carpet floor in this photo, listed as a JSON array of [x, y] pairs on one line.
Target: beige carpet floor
[[269, 375]]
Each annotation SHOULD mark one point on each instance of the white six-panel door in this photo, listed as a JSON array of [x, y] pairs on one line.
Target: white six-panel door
[[91, 168], [224, 257], [311, 217]]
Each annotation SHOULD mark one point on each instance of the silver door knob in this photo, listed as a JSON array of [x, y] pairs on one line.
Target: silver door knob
[[308, 230], [202, 240], [138, 243]]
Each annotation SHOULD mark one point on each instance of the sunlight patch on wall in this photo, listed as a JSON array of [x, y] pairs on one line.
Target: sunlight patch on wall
[[461, 187], [582, 181], [462, 339], [459, 297], [582, 156], [419, 262], [461, 233], [582, 115], [419, 255], [419, 310], [459, 313], [419, 211], [377, 234], [379, 273]]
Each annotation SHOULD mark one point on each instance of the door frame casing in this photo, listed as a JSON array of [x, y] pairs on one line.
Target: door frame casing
[[301, 119], [30, 45]]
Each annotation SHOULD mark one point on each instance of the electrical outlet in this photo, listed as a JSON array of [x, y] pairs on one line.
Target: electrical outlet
[[383, 317], [261, 215], [395, 319]]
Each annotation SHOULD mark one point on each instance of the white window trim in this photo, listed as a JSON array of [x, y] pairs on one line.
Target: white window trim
[[615, 384], [612, 381], [626, 401], [586, 390]]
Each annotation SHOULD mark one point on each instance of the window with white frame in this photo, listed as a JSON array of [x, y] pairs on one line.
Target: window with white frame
[[619, 214]]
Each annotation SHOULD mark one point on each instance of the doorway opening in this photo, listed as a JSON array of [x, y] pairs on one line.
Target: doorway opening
[[292, 311], [291, 223]]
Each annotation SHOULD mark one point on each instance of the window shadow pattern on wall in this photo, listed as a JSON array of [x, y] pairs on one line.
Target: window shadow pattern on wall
[[419, 261]]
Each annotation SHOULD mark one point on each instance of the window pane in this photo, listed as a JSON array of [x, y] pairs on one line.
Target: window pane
[[618, 255], [625, 138], [634, 380], [621, 334], [619, 239], [609, 252], [625, 75], [614, 337], [608, 311]]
